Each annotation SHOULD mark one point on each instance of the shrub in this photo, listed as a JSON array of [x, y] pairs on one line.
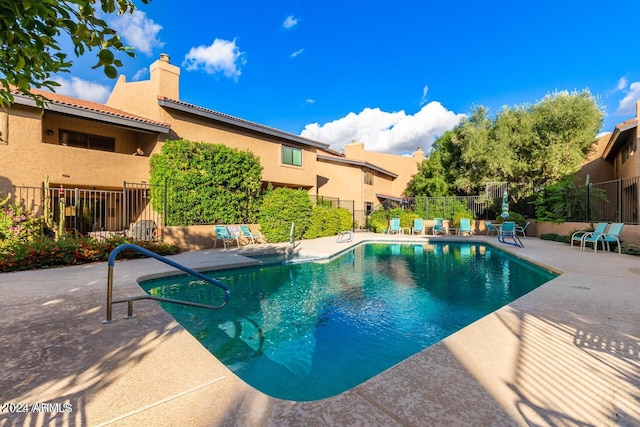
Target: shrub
[[17, 225], [44, 252], [327, 221], [199, 182], [280, 207]]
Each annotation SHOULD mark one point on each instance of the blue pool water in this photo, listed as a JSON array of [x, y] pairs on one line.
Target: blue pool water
[[307, 331]]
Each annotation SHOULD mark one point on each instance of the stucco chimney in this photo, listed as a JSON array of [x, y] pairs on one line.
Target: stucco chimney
[[165, 77], [637, 108]]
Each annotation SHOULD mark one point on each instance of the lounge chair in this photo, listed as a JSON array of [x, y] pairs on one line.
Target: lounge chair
[[465, 226], [223, 234], [438, 226], [491, 228], [612, 235], [144, 229], [252, 236], [579, 235], [522, 230], [418, 226], [508, 229], [394, 226]]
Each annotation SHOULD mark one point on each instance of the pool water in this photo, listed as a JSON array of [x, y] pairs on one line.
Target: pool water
[[308, 331]]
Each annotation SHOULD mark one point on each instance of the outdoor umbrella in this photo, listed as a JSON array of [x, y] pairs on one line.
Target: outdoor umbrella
[[505, 205]]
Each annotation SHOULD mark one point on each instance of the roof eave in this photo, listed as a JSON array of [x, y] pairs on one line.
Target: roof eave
[[93, 115], [357, 163], [233, 121], [617, 133]]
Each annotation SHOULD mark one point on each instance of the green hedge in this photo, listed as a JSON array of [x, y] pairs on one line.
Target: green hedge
[[328, 221], [280, 207]]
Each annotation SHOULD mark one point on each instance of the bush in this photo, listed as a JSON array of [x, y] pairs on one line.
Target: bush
[[280, 207], [327, 221], [44, 252], [17, 225]]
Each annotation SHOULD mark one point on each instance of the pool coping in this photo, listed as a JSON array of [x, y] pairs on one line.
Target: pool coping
[[509, 368]]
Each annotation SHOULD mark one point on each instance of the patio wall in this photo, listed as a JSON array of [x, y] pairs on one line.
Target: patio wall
[[630, 233], [195, 237]]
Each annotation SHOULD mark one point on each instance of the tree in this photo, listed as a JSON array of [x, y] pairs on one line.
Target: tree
[[30, 33], [527, 146]]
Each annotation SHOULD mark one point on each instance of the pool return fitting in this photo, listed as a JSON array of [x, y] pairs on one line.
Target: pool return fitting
[[110, 301]]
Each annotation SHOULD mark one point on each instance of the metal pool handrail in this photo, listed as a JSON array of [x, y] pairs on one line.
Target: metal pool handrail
[[110, 301]]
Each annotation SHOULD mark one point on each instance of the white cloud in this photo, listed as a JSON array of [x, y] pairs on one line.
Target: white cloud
[[82, 89], [138, 31], [627, 105], [396, 133], [296, 53], [223, 56], [140, 74], [423, 100], [290, 22], [622, 83]]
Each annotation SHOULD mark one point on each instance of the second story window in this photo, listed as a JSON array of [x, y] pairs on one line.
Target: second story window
[[368, 178], [85, 140], [291, 156]]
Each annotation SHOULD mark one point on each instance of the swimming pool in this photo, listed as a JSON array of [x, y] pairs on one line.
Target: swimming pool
[[307, 331]]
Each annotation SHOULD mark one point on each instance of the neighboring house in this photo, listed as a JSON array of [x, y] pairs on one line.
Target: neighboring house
[[614, 169], [82, 145]]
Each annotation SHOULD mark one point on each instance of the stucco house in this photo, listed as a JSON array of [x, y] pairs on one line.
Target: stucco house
[[105, 149]]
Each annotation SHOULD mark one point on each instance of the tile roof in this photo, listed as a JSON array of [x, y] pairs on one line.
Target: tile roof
[[92, 107], [236, 121]]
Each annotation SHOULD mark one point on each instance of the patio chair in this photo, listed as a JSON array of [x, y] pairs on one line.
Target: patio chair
[[491, 228], [253, 236], [465, 226], [579, 235], [418, 226], [222, 233], [438, 226], [612, 235], [394, 226], [508, 229], [522, 230], [144, 229]]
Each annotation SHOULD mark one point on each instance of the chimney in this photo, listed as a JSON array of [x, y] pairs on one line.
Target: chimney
[[165, 77]]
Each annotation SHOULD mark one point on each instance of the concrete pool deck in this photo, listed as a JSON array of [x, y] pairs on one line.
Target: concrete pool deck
[[567, 353]]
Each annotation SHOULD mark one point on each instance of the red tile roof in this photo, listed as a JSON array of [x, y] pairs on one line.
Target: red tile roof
[[94, 107]]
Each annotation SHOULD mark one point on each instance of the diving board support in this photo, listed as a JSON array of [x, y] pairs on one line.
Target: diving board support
[[110, 301]]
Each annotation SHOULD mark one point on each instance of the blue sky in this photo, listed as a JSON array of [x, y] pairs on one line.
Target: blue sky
[[393, 75]]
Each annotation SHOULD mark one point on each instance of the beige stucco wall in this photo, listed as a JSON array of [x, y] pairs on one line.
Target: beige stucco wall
[[269, 150], [598, 169], [404, 166], [29, 153]]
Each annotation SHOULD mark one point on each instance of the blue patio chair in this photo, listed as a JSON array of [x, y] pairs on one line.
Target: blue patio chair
[[465, 226], [508, 229], [491, 228], [394, 226], [612, 235], [522, 230], [223, 234], [579, 235], [438, 226], [418, 226]]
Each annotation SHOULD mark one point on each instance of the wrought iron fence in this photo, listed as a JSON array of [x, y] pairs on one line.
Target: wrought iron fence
[[613, 201], [98, 213]]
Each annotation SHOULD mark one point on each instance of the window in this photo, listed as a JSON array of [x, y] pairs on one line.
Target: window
[[368, 207], [291, 156], [368, 177], [629, 149], [85, 140]]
